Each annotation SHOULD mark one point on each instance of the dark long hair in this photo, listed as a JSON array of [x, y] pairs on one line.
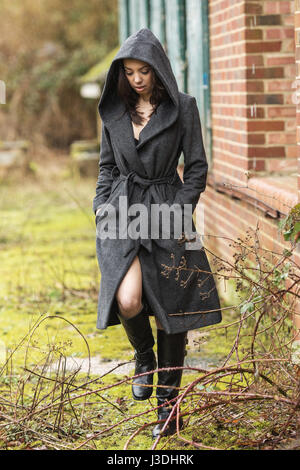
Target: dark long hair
[[130, 96]]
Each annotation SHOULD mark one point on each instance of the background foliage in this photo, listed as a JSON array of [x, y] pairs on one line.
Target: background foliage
[[45, 46]]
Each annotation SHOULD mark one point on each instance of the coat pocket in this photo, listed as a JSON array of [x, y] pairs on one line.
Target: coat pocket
[[114, 185]]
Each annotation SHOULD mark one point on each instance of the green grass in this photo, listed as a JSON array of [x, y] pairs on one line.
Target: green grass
[[50, 277]]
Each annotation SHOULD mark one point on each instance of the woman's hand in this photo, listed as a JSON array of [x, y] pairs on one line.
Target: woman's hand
[[99, 209]]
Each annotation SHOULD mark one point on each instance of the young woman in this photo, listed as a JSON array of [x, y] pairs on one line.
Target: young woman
[[146, 124]]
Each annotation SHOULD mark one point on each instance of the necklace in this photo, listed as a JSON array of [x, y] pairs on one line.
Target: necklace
[[144, 110]]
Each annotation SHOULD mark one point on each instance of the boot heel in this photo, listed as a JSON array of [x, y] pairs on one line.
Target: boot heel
[[163, 414]]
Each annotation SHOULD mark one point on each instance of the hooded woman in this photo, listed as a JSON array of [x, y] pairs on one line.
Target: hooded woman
[[146, 124]]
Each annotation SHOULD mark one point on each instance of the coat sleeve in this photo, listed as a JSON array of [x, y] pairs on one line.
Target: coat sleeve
[[106, 164], [195, 161]]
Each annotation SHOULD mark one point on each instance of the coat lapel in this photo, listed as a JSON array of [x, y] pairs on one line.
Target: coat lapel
[[166, 114], [121, 131]]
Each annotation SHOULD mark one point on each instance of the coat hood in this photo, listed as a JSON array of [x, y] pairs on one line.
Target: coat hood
[[142, 45]]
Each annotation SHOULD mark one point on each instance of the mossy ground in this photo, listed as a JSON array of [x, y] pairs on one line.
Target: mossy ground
[[49, 274]]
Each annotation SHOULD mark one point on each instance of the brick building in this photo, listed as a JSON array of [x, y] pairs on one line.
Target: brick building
[[254, 178]]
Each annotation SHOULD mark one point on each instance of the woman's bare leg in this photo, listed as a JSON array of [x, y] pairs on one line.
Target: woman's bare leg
[[129, 293]]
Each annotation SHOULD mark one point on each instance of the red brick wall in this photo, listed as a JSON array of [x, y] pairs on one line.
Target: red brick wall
[[226, 219], [252, 51], [253, 72], [297, 90]]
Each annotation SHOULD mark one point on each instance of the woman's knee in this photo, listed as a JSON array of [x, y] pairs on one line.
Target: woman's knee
[[129, 305], [129, 294]]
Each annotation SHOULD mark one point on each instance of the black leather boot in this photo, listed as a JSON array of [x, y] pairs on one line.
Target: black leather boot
[[139, 332], [170, 353]]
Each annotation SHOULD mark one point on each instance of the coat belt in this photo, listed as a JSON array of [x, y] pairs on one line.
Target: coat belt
[[147, 184]]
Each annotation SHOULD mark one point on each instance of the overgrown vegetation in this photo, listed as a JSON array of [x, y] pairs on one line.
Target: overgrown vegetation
[[45, 47], [66, 385]]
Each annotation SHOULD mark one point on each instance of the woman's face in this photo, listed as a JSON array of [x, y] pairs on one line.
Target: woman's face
[[140, 76]]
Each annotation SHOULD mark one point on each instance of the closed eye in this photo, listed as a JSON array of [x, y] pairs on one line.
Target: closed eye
[[143, 73]]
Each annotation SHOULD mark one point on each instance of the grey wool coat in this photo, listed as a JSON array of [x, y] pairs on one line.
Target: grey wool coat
[[178, 284]]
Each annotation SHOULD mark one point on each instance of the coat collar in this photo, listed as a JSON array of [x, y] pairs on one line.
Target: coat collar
[[120, 128]]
